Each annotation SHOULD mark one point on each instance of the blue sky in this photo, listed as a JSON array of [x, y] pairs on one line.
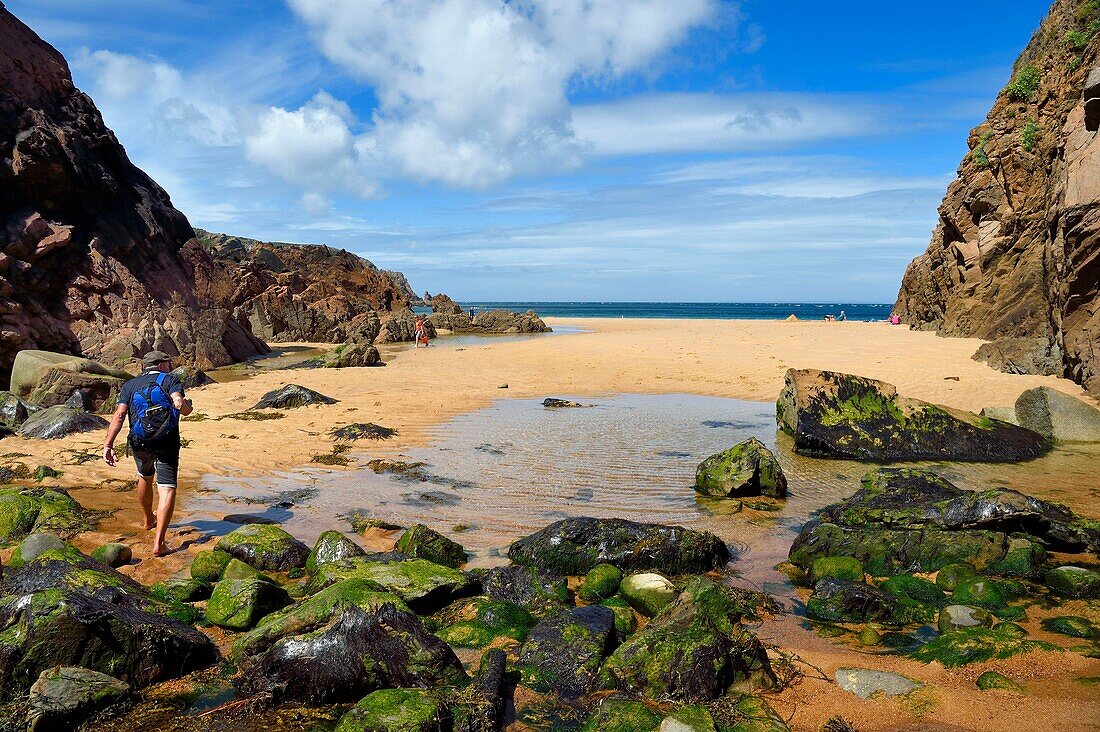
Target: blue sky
[[670, 150]]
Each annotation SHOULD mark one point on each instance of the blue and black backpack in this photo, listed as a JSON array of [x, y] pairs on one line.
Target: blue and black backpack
[[152, 415]]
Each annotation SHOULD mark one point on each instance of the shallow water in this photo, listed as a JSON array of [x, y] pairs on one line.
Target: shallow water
[[516, 466]]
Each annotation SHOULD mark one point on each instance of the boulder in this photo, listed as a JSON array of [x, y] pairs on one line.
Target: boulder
[[1074, 582], [420, 541], [980, 592], [182, 589], [694, 650], [208, 565], [852, 417], [63, 697], [401, 327], [555, 403], [291, 396], [647, 593], [191, 377], [575, 545], [14, 410], [919, 601], [50, 379], [846, 568], [355, 652], [60, 421], [539, 592], [479, 622], [265, 547], [504, 321], [866, 682], [397, 710], [601, 582], [977, 644], [26, 510], [313, 612], [1074, 626], [62, 609], [958, 617], [904, 520], [563, 653], [950, 576], [425, 586], [850, 602], [746, 469], [113, 554], [331, 546], [353, 355], [238, 604], [736, 712], [37, 544], [613, 714], [1058, 416]]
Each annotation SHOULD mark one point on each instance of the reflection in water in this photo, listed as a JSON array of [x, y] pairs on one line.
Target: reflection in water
[[516, 466]]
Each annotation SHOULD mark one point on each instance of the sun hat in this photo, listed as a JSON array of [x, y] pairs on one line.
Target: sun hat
[[153, 358]]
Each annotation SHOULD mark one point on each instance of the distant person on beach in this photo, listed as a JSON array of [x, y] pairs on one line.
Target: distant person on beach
[[895, 319], [842, 317], [421, 336], [154, 402]]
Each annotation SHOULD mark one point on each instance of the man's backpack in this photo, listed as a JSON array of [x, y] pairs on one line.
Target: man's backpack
[[152, 415]]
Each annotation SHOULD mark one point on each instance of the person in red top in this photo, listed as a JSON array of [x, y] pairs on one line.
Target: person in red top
[[421, 335]]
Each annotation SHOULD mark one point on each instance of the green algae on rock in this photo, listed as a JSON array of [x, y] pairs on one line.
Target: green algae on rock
[[113, 554], [648, 593], [423, 585], [694, 650], [563, 653], [625, 622], [265, 547], [420, 541], [1074, 626], [971, 645], [182, 589], [852, 417], [919, 600], [746, 469], [397, 710], [239, 604], [574, 546], [480, 622], [1073, 582], [622, 715], [980, 592], [539, 592], [960, 617], [63, 697], [850, 602], [601, 582], [950, 576], [991, 680], [846, 568], [24, 510], [331, 546], [209, 564]]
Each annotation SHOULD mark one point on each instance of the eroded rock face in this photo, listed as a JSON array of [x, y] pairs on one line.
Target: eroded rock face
[[838, 415], [1015, 257], [303, 292], [94, 259]]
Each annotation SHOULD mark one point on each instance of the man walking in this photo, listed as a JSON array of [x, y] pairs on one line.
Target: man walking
[[154, 402]]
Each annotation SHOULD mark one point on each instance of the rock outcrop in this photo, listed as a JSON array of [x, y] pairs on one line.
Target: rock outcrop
[[1015, 257], [304, 292], [94, 259]]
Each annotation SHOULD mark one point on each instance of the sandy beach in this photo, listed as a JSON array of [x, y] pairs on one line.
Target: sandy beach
[[418, 390]]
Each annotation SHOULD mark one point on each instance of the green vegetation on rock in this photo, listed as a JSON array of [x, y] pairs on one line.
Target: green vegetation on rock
[[919, 600], [971, 645], [991, 680], [848, 568], [1075, 582], [1024, 84], [331, 546], [980, 592], [480, 622], [423, 585], [420, 541], [746, 469], [1074, 626], [648, 593], [622, 715], [396, 710], [624, 615], [950, 576], [208, 565], [601, 582], [239, 604]]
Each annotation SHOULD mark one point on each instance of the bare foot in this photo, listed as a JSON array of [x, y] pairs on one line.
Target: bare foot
[[161, 551], [150, 523]]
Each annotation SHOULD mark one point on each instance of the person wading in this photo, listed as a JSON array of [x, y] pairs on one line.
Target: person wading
[[154, 402]]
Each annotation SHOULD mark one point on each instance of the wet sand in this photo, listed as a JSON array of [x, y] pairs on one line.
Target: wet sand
[[420, 390]]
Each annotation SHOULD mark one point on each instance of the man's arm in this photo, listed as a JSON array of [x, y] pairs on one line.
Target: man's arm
[[181, 404], [117, 420]]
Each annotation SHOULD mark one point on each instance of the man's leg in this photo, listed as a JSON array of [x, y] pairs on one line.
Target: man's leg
[[145, 500], [164, 517]]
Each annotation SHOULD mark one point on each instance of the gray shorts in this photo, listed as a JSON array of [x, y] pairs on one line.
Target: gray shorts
[[164, 462]]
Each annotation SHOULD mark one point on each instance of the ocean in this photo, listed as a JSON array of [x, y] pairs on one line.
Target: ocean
[[719, 310]]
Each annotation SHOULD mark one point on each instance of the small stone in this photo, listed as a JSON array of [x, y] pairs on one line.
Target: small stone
[[420, 541], [869, 636], [991, 680], [746, 469], [182, 589], [601, 582], [865, 682], [648, 593], [113, 555]]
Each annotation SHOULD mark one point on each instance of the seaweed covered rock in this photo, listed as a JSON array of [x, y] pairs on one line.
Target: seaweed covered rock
[[331, 546], [993, 681], [539, 592], [420, 541], [397, 710], [648, 593], [182, 589], [746, 469], [37, 544], [846, 568], [291, 396], [694, 650], [265, 547], [904, 520], [63, 609], [355, 652], [191, 377], [850, 602], [60, 421], [622, 715], [852, 417], [980, 592], [423, 585], [601, 582], [1073, 582], [209, 564], [950, 576], [1057, 416], [479, 622], [960, 617], [1074, 626], [353, 354], [26, 510], [113, 554], [314, 612], [49, 379], [64, 696], [238, 604], [919, 601], [973, 645], [573, 546], [563, 653]]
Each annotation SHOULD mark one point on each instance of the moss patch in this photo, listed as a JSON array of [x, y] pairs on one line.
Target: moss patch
[[972, 645]]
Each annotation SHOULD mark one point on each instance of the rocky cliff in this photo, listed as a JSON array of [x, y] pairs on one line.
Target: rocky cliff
[[94, 259], [303, 292], [1015, 257]]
